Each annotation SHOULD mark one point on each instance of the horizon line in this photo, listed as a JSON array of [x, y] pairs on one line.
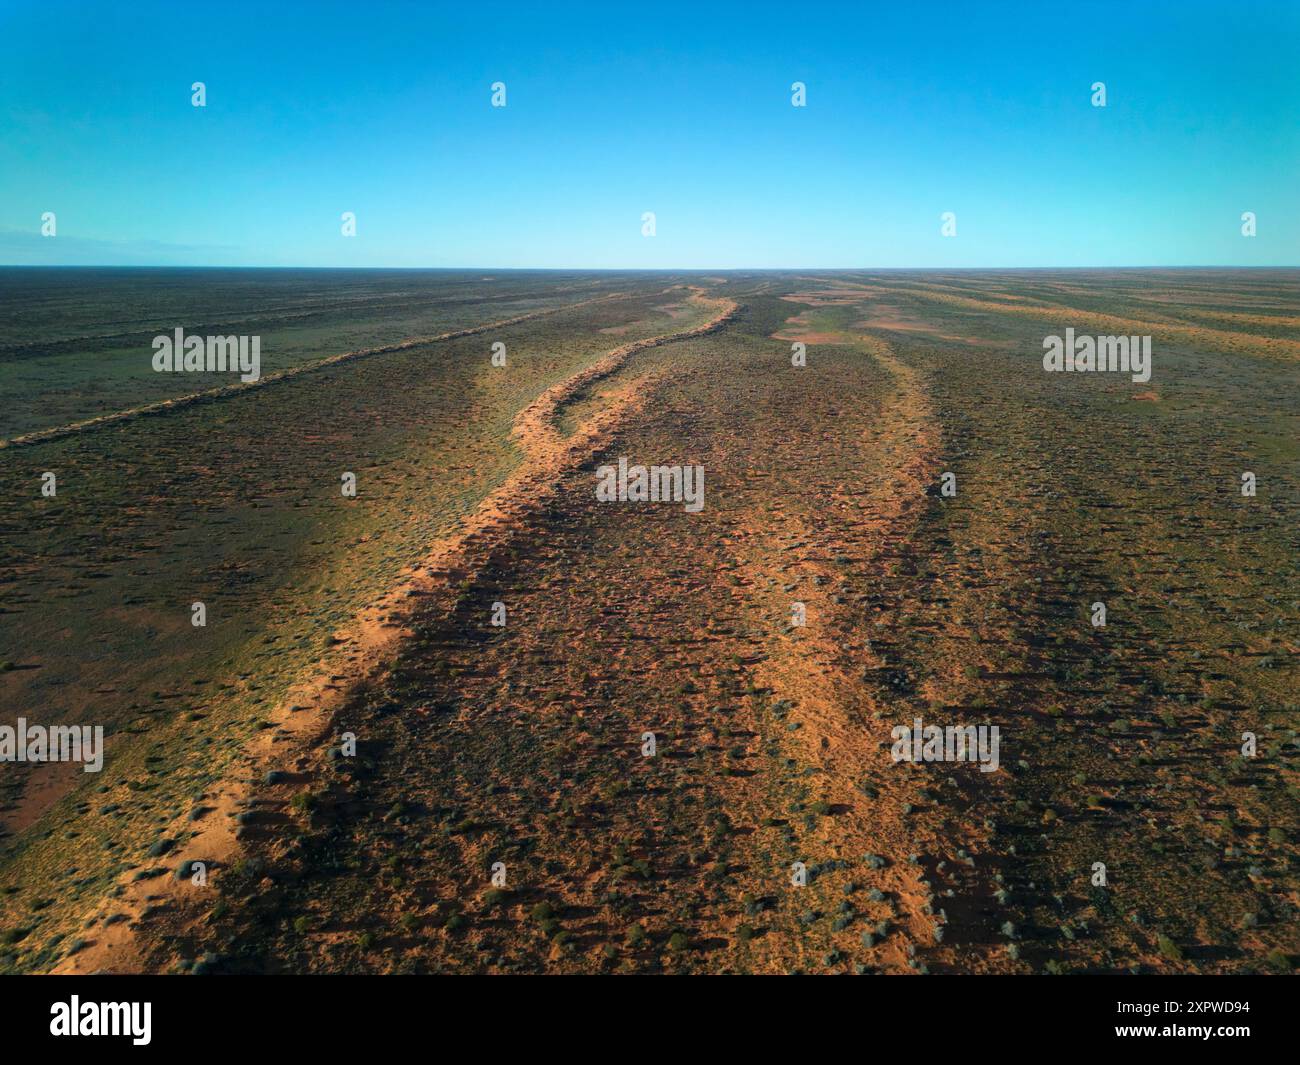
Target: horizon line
[[632, 269]]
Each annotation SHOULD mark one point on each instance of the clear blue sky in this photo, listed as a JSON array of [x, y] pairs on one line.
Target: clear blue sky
[[913, 109]]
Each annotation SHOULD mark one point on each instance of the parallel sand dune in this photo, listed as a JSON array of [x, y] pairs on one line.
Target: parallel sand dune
[[278, 583], [378, 632], [230, 391], [501, 813]]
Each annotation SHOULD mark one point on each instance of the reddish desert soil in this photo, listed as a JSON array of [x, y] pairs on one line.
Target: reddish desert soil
[[503, 814], [373, 642]]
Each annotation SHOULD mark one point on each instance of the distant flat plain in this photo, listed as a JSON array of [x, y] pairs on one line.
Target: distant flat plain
[[522, 744]]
